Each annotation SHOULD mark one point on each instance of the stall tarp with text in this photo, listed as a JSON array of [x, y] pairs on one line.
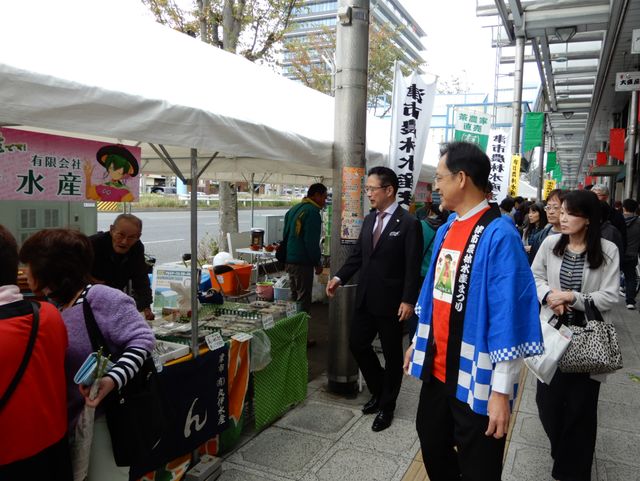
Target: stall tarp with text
[[37, 166]]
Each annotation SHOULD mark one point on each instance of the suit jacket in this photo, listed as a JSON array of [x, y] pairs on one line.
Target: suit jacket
[[390, 273]]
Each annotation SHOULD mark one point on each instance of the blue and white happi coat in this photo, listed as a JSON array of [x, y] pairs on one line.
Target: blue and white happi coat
[[501, 320]]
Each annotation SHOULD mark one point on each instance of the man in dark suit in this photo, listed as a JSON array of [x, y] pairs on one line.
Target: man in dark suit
[[388, 255]]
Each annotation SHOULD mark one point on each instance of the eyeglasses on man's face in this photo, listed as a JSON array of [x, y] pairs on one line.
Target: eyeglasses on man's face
[[438, 178], [552, 208], [373, 188]]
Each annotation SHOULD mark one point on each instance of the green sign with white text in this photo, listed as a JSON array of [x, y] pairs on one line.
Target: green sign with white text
[[472, 127]]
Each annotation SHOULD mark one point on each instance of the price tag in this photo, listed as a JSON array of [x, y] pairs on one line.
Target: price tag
[[242, 336], [214, 341], [267, 321], [157, 362], [292, 309]]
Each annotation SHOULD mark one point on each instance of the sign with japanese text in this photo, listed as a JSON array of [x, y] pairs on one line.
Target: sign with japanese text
[[548, 186], [352, 215], [514, 177], [499, 153], [36, 166], [473, 127], [627, 81], [423, 192], [410, 121]]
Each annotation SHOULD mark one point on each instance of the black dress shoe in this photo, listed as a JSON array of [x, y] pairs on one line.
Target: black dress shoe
[[382, 421], [371, 406]]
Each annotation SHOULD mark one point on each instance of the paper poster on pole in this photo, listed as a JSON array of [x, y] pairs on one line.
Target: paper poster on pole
[[412, 106], [471, 126], [549, 185], [36, 166], [499, 153], [514, 177], [352, 215]]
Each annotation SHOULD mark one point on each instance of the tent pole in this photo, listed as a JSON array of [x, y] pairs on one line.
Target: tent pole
[[253, 175], [194, 252]]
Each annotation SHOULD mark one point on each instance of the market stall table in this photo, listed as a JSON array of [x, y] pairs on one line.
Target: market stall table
[[259, 257], [279, 385]]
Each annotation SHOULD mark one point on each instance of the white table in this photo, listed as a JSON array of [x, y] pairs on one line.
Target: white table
[[258, 258]]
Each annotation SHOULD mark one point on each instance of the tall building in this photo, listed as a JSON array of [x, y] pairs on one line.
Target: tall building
[[314, 15]]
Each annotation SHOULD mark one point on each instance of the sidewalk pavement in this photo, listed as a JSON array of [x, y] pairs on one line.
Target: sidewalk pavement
[[327, 438]]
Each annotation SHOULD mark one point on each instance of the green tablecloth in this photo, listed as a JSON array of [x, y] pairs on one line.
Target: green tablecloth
[[284, 381]]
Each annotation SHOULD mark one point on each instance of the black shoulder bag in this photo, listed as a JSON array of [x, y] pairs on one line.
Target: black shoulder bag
[[135, 414], [25, 359]]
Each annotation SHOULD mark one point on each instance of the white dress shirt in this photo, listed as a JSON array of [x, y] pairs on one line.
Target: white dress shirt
[[385, 221]]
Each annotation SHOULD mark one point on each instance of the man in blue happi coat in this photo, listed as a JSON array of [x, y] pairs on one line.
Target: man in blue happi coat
[[478, 318]]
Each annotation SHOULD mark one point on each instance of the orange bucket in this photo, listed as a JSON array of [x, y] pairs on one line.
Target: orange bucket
[[232, 282]]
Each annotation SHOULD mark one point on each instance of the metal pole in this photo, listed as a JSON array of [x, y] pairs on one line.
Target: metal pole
[[631, 146], [541, 163], [352, 45], [517, 96], [253, 175], [194, 252]]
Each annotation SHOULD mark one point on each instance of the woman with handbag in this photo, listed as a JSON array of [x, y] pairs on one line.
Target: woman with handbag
[[59, 262], [571, 270], [33, 411]]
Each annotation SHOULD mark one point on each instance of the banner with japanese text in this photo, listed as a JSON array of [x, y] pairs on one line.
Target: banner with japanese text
[[410, 121], [471, 126], [514, 177], [37, 166], [548, 186], [499, 152]]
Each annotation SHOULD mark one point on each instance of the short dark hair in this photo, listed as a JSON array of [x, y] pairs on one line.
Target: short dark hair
[[559, 193], [518, 200], [507, 204], [630, 205], [60, 260], [129, 218], [470, 159], [387, 176], [584, 204], [317, 188], [9, 258]]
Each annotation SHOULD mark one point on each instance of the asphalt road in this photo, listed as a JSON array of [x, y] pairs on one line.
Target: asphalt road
[[166, 234]]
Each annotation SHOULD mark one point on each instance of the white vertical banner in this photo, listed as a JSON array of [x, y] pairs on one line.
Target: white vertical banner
[[410, 120], [499, 153]]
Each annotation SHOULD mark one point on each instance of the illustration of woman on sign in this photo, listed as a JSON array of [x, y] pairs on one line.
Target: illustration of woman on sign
[[120, 164]]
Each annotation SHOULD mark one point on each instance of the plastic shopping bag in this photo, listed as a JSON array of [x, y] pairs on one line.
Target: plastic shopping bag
[[556, 342]]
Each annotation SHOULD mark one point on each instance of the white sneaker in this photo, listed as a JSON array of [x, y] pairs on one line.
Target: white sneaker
[[622, 293], [631, 307]]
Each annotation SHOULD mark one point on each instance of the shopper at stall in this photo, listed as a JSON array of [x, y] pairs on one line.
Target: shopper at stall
[[33, 413], [567, 269], [388, 257], [474, 327], [119, 261], [303, 227], [59, 263]]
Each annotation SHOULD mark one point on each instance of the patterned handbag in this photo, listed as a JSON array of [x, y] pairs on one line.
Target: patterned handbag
[[594, 346]]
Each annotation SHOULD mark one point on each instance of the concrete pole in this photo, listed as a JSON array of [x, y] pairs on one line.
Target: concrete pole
[[253, 191], [517, 96], [631, 145], [352, 47], [194, 252]]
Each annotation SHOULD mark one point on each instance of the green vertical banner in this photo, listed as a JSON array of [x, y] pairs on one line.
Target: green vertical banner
[[551, 162], [533, 130]]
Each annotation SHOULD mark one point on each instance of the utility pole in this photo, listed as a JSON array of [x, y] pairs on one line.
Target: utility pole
[[632, 132], [352, 48], [517, 96]]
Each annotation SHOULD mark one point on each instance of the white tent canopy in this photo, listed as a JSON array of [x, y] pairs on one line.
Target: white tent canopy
[[85, 67]]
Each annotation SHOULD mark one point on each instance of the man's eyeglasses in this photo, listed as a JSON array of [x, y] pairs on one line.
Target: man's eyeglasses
[[438, 178], [551, 208], [370, 188], [121, 236]]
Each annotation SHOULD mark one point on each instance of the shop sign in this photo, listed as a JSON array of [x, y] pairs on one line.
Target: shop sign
[[514, 180], [44, 167], [473, 127], [627, 81]]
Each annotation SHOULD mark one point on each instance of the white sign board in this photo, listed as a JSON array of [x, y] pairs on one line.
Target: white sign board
[[627, 81], [635, 41]]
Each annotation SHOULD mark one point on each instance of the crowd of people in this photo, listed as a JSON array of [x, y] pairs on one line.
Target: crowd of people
[[468, 279]]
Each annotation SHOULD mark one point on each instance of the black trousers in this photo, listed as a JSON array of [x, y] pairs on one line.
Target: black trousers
[[443, 422], [630, 281], [383, 382], [52, 464], [568, 409]]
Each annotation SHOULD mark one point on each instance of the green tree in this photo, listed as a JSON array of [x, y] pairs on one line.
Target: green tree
[[312, 62], [250, 28]]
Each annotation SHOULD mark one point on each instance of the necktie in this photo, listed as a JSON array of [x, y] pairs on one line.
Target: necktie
[[378, 231]]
